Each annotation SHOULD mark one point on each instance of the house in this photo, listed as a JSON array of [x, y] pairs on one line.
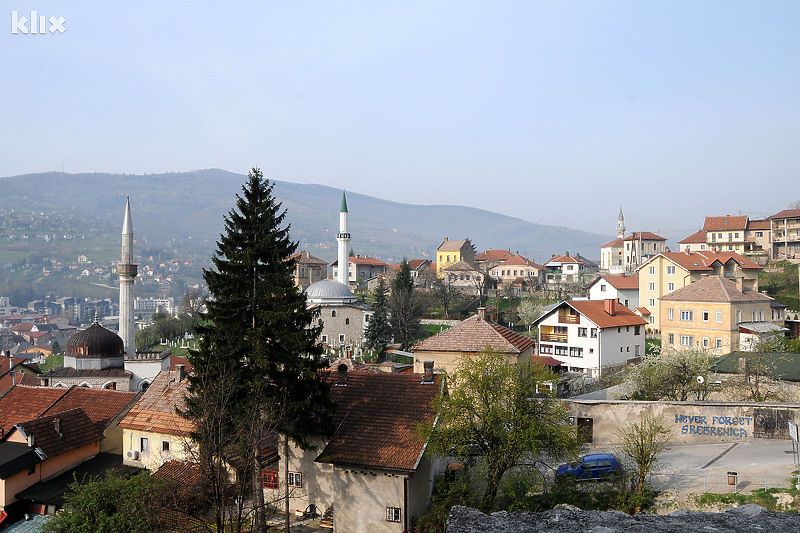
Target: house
[[451, 252], [343, 318], [695, 242], [714, 314], [758, 244], [17, 371], [669, 271], [726, 234], [489, 259], [152, 431], [564, 269], [624, 289], [518, 269], [469, 337], [307, 269], [785, 235], [361, 269], [590, 335], [372, 472], [464, 278], [624, 254]]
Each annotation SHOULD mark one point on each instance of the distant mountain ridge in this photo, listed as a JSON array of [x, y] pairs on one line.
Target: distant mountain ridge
[[183, 212]]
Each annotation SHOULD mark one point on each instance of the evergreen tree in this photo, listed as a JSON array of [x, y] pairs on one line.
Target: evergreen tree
[[258, 340], [406, 306], [379, 332]]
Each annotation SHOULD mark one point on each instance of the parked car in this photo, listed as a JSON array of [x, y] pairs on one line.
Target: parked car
[[592, 466]]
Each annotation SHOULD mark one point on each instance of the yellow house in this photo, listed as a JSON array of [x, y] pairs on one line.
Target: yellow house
[[451, 252], [667, 272], [152, 432], [710, 314], [726, 234]]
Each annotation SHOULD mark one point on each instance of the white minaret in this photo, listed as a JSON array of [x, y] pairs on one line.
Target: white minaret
[[343, 238], [126, 271], [620, 224]]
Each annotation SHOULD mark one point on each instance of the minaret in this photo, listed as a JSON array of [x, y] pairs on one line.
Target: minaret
[[126, 271], [620, 224], [343, 238]]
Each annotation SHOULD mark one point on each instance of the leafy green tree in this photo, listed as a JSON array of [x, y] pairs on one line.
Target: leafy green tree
[[379, 331], [257, 337], [671, 375], [110, 505], [643, 442], [406, 306], [500, 412]]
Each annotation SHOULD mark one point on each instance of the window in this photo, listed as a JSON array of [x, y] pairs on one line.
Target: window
[[295, 479], [670, 270], [602, 288], [561, 350], [582, 332], [569, 267], [165, 446], [670, 286], [576, 352], [651, 302], [333, 314], [545, 348], [706, 316], [652, 319], [759, 234], [594, 333], [651, 270], [687, 340], [651, 286], [738, 317], [324, 339], [670, 314], [687, 316], [718, 317], [269, 479], [346, 321], [705, 342], [392, 514], [319, 322], [341, 338], [719, 342], [144, 444], [671, 338], [637, 330]]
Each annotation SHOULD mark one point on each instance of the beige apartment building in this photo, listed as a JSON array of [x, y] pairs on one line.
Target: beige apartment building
[[785, 235], [668, 271]]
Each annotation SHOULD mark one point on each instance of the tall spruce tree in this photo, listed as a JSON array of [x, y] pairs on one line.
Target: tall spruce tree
[[258, 341], [406, 306], [379, 331]]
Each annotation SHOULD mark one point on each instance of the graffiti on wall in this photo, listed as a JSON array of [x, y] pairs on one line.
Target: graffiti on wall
[[715, 426]]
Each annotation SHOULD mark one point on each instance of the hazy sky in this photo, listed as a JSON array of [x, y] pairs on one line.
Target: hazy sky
[[555, 112]]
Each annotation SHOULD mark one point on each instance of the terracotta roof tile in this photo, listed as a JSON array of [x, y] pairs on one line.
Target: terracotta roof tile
[[714, 289], [377, 419], [306, 258], [616, 243], [363, 261], [517, 259], [473, 335], [621, 282], [494, 255], [643, 310], [77, 430], [725, 223], [701, 261], [695, 238], [646, 236], [452, 246], [155, 410], [595, 311], [786, 213], [759, 224], [414, 264]]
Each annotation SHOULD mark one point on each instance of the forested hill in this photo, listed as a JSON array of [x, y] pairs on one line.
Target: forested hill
[[182, 212]]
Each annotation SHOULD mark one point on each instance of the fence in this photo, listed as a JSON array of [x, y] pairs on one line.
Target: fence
[[718, 483]]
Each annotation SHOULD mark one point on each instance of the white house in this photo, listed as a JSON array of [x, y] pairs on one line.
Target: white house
[[589, 335], [624, 289]]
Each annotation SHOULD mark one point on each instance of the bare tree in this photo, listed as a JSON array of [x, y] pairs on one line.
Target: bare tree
[[643, 443]]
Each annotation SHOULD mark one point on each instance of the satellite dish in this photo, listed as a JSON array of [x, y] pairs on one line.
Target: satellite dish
[[701, 380]]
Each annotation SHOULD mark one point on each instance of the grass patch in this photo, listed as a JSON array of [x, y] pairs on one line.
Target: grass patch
[[52, 361], [765, 498]]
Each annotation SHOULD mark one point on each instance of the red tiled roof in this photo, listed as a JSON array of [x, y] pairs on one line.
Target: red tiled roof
[[68, 372], [642, 310], [621, 282], [451, 246], [77, 430], [786, 213], [546, 360], [175, 359], [363, 261], [595, 311], [517, 259], [304, 257], [759, 224], [377, 419], [695, 238], [702, 260], [414, 264], [155, 410], [494, 255], [25, 326], [473, 335], [725, 223], [714, 289], [616, 243], [646, 236], [10, 379]]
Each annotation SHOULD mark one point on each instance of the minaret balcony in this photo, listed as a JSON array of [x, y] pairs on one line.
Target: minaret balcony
[[127, 271], [342, 235]]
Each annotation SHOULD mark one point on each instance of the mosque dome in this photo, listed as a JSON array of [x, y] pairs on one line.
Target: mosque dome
[[328, 291], [95, 342]]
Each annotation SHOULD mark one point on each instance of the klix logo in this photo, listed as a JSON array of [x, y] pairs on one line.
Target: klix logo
[[38, 24]]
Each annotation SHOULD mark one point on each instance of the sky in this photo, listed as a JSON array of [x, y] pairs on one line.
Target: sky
[[555, 112]]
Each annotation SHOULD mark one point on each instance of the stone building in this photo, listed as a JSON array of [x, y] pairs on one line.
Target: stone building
[[342, 317]]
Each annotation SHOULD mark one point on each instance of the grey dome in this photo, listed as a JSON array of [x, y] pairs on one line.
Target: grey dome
[[329, 291]]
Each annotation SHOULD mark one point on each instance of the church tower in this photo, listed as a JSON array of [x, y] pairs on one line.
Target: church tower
[[126, 271], [620, 224], [343, 238]]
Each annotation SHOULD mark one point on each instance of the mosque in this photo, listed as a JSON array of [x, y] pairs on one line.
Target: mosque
[[99, 358], [342, 317]]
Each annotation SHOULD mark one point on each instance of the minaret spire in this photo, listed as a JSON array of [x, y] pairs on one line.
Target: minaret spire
[[343, 238], [620, 224], [127, 271]]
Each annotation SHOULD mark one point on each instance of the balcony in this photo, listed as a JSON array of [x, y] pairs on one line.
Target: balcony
[[569, 319], [554, 337]]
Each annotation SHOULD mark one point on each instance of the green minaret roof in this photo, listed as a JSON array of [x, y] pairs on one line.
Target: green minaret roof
[[343, 209]]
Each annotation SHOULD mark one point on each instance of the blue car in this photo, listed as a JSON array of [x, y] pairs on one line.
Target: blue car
[[592, 466]]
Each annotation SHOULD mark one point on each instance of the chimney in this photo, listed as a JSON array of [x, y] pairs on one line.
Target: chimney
[[567, 253], [341, 380], [481, 314], [8, 353], [445, 238], [611, 306], [57, 426], [427, 376], [180, 373], [740, 284]]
